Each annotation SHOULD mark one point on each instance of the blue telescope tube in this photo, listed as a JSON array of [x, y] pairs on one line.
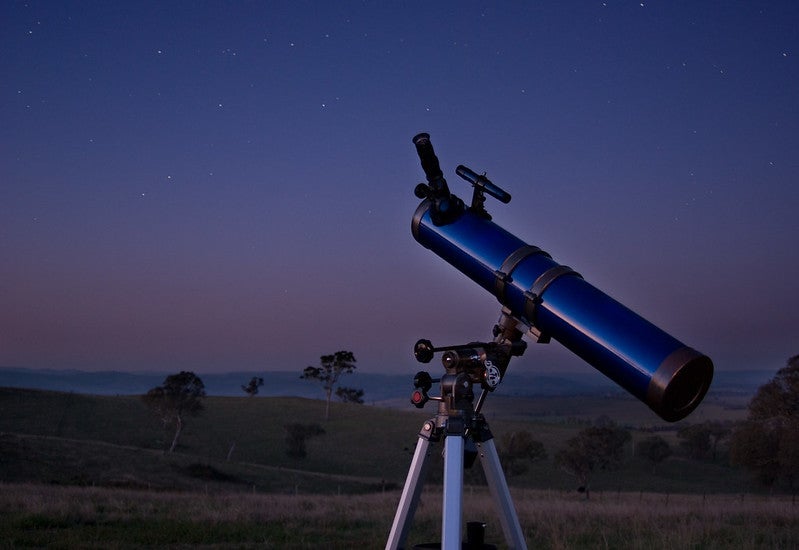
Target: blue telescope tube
[[670, 377]]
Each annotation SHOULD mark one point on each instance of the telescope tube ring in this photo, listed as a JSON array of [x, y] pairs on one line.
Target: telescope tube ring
[[503, 274], [534, 295]]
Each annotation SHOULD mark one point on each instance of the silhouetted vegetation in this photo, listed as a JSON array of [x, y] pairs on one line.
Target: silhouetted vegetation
[[350, 395], [517, 450], [252, 386], [332, 368], [593, 449], [178, 397], [655, 449], [297, 435], [767, 443], [695, 440]]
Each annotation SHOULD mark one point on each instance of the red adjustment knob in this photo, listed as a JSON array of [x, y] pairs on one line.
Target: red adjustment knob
[[419, 398]]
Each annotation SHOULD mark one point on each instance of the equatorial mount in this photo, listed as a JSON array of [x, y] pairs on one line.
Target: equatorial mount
[[475, 363], [464, 431]]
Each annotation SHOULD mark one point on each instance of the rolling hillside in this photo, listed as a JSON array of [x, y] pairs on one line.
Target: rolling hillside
[[238, 444]]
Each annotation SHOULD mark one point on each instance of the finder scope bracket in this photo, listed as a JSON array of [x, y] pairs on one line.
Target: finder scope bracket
[[482, 185]]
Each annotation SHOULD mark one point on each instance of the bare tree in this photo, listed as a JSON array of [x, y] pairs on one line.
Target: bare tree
[[178, 397], [328, 374]]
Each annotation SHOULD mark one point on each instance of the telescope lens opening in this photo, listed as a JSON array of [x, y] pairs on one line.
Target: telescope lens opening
[[680, 384], [688, 386]]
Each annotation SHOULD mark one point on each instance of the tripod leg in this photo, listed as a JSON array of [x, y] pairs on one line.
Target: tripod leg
[[410, 496], [453, 492], [501, 495]]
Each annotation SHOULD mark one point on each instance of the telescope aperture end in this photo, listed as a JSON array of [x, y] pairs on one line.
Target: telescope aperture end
[[679, 384]]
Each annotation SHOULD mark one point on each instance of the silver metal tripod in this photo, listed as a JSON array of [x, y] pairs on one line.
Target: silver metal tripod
[[459, 422]]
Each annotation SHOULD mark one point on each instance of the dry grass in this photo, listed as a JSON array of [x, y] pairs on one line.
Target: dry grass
[[38, 515], [653, 521]]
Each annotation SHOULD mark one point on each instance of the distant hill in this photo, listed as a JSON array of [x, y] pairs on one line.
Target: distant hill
[[239, 443], [377, 387]]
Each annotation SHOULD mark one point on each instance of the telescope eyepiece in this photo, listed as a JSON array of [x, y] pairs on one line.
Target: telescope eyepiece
[[430, 165], [446, 206]]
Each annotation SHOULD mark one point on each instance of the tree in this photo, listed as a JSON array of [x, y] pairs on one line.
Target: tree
[[696, 440], [756, 446], [703, 440], [594, 448], [333, 367], [251, 388], [655, 449], [518, 450], [767, 443], [350, 395], [178, 397], [719, 431], [296, 436]]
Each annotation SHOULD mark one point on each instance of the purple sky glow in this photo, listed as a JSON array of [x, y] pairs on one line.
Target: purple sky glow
[[226, 186]]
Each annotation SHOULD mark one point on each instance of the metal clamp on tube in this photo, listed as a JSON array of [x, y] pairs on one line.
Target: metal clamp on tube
[[503, 274]]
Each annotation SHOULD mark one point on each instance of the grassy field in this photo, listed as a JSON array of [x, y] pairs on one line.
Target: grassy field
[[84, 517], [90, 471]]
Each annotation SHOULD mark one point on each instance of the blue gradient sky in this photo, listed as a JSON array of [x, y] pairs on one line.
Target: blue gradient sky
[[229, 186]]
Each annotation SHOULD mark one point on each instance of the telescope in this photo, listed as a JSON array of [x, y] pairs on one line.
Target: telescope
[[552, 301]]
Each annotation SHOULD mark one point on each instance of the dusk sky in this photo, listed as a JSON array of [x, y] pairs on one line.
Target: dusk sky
[[228, 186]]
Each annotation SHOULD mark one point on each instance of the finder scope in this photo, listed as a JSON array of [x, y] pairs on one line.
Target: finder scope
[[553, 300]]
